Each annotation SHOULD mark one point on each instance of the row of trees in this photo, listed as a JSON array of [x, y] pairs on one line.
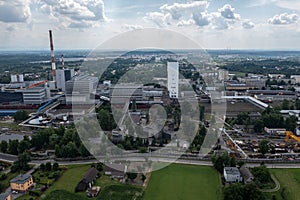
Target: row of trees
[[238, 191], [222, 161], [14, 146], [66, 143], [270, 118], [49, 167]]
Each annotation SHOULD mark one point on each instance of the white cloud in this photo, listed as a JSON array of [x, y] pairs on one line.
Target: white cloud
[[290, 4], [194, 14], [217, 21], [247, 24], [130, 27], [160, 19], [186, 22], [228, 12], [75, 13], [284, 18], [201, 19], [177, 10], [15, 11]]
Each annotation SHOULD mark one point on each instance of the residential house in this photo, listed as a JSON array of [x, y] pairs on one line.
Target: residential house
[[246, 174], [117, 171], [232, 174], [88, 180], [21, 183], [5, 196]]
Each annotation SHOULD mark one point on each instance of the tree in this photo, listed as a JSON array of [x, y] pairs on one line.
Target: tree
[[264, 147], [3, 146], [106, 120], [297, 104], [21, 163], [259, 126], [262, 176], [99, 167], [143, 178], [273, 120], [251, 192], [20, 115], [131, 175], [220, 162], [13, 147], [202, 111], [233, 162], [55, 166], [48, 166], [23, 146], [242, 118], [285, 104], [233, 192], [42, 167], [291, 123], [83, 151]]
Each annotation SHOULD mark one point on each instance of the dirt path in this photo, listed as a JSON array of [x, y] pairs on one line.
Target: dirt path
[[276, 188]]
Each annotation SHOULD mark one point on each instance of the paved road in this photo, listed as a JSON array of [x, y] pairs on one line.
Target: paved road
[[8, 158], [11, 158]]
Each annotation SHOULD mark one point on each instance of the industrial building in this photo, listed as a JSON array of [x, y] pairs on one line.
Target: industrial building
[[62, 76], [36, 95], [80, 88]]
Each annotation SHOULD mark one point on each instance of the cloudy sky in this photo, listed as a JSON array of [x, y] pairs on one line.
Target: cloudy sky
[[214, 24]]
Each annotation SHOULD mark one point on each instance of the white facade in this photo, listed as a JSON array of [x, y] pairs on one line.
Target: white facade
[[173, 79], [232, 174]]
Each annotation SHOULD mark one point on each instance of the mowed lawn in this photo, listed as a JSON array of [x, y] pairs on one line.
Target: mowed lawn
[[289, 180], [70, 178], [184, 182]]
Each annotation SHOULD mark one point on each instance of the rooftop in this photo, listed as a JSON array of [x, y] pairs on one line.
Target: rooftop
[[21, 178], [91, 174], [3, 196], [232, 170]]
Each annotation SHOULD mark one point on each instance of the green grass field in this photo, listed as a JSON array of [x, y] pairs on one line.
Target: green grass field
[[180, 182], [69, 179], [289, 183]]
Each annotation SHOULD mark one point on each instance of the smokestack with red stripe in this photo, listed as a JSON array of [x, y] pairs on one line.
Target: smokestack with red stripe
[[52, 55]]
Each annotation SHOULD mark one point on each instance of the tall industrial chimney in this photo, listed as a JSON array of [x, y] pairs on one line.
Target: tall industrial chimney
[[52, 56]]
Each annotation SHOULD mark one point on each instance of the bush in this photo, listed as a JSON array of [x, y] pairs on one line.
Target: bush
[[3, 177], [34, 193]]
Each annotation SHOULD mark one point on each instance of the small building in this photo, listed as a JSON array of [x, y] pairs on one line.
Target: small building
[[88, 180], [117, 171], [275, 131], [21, 183], [93, 192], [5, 196], [232, 174], [246, 174]]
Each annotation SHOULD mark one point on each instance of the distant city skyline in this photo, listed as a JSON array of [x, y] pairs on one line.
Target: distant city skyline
[[215, 24]]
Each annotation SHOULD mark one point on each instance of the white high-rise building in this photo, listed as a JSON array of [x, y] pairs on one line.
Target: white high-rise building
[[173, 79]]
